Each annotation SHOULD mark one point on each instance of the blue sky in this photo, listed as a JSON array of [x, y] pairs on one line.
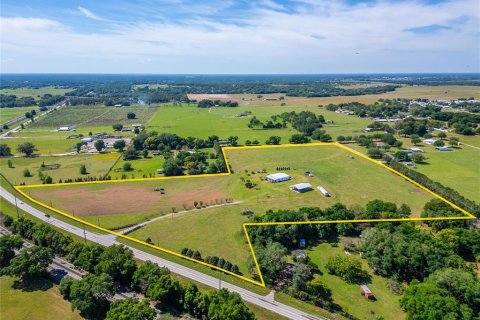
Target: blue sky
[[268, 36]]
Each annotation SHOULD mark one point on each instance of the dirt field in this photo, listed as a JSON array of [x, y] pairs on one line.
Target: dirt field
[[409, 92], [105, 199]]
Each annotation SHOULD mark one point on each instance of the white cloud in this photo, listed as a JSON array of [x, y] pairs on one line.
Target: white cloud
[[322, 38], [89, 14]]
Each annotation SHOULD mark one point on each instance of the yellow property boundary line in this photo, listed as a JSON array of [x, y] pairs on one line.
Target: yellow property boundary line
[[245, 225]]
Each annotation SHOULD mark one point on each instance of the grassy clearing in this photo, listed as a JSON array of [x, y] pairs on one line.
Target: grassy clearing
[[141, 166], [215, 231], [35, 92], [189, 120], [458, 169], [348, 295], [69, 167], [408, 92], [38, 304], [7, 114], [349, 179]]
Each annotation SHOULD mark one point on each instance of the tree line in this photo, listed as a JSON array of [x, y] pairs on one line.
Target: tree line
[[109, 268]]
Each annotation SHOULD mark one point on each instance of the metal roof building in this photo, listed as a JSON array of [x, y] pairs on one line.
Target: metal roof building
[[277, 177], [301, 187]]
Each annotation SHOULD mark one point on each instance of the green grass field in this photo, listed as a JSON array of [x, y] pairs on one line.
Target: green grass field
[[217, 231], [95, 116], [7, 114], [85, 119], [189, 120], [348, 295], [140, 167], [69, 167], [458, 169], [32, 305], [35, 93]]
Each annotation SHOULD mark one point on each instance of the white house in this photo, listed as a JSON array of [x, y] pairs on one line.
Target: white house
[[277, 177], [301, 187]]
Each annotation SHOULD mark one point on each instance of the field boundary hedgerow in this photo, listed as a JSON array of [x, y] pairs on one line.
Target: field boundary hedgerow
[[261, 281]]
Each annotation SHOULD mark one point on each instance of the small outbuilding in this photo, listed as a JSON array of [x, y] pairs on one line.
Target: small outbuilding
[[277, 177], [323, 191], [301, 187], [443, 148], [366, 292]]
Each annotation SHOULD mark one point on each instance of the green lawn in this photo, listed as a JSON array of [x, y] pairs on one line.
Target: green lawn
[[31, 305], [140, 167], [348, 296], [69, 167], [35, 92]]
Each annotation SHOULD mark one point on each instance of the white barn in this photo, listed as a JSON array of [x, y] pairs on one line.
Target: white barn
[[277, 177]]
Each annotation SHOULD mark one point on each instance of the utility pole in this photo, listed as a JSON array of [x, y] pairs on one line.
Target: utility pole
[[84, 234], [16, 206], [219, 280]]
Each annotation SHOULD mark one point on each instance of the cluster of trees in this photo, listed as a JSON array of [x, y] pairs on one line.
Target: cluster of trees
[[12, 101], [383, 108], [446, 294], [5, 150], [255, 123], [206, 103], [216, 261], [49, 100], [273, 140], [347, 268], [108, 269], [193, 162]]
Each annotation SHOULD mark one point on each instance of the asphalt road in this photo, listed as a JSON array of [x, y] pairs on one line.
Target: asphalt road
[[265, 302]]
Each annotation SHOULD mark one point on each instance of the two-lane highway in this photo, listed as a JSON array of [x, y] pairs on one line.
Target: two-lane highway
[[108, 240]]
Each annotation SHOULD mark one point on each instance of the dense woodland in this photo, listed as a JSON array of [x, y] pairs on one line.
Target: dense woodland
[[432, 267]]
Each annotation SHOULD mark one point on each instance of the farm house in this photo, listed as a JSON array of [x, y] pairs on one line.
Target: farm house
[[323, 191], [277, 177], [301, 187]]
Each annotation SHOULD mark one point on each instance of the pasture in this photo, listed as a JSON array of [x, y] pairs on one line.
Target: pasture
[[65, 167], [97, 116], [36, 93], [217, 231], [407, 92], [188, 120]]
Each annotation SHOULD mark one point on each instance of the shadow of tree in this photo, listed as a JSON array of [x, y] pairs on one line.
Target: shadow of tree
[[40, 284]]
